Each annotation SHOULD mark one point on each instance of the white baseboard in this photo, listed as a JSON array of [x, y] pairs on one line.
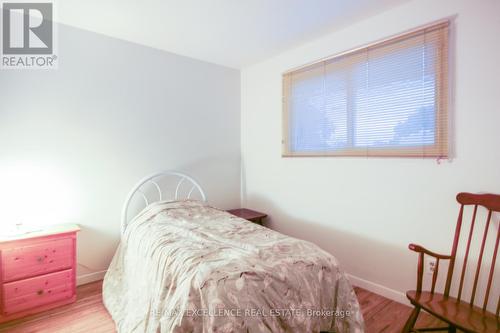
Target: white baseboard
[[91, 277], [376, 288]]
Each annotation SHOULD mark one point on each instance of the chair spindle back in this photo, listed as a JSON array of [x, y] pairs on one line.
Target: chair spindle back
[[491, 202]]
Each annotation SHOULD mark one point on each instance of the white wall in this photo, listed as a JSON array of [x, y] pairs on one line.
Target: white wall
[[113, 112], [366, 211]]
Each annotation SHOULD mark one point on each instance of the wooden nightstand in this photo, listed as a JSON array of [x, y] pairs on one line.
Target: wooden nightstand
[[38, 271], [248, 214]]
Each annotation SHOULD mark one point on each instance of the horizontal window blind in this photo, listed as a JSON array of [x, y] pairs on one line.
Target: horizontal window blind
[[387, 99]]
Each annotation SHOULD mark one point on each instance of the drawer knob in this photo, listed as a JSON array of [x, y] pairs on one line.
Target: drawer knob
[[39, 292]]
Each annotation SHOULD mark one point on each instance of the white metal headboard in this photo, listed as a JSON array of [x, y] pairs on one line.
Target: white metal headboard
[[154, 179]]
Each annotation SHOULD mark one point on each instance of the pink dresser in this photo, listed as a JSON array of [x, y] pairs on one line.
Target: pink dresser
[[37, 271]]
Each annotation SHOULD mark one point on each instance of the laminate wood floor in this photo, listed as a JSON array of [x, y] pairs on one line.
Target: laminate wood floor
[[88, 315]]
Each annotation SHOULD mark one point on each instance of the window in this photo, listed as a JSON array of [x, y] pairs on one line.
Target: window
[[387, 99]]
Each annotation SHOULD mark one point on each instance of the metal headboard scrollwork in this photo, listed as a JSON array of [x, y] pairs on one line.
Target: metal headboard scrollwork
[[154, 179]]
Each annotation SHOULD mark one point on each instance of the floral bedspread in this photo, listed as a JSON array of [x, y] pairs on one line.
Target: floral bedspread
[[187, 267]]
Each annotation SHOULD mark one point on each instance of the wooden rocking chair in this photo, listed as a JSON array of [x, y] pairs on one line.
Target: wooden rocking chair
[[457, 313]]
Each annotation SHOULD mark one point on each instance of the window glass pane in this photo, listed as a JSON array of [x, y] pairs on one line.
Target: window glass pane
[[318, 112], [307, 116], [336, 111], [396, 105]]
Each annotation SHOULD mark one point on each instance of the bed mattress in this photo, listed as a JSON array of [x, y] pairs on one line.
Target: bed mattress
[[185, 266]]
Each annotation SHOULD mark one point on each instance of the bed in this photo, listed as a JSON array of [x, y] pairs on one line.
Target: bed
[[185, 266]]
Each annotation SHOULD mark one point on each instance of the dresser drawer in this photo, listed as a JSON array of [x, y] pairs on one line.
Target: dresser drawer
[[37, 259], [29, 293]]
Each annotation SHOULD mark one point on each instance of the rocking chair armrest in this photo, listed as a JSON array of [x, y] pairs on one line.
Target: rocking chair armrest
[[420, 268], [421, 249]]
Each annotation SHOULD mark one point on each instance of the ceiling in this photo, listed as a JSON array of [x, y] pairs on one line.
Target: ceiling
[[233, 33]]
